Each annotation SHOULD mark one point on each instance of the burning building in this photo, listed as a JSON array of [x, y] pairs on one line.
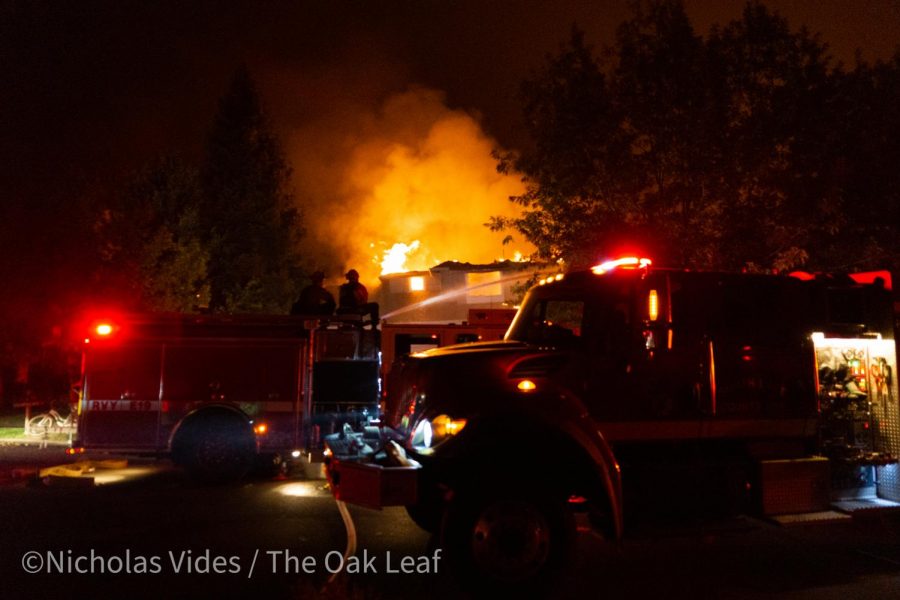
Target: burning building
[[451, 291]]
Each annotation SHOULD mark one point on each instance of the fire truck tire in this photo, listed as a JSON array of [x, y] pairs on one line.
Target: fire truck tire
[[217, 447], [507, 538], [427, 516]]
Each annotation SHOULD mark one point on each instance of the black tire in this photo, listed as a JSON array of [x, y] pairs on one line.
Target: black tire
[[217, 447], [512, 539], [425, 515]]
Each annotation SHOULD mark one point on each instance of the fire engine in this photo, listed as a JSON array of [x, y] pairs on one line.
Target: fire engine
[[218, 393], [626, 392]]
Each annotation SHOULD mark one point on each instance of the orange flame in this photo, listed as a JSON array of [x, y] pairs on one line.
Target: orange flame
[[395, 258], [414, 186]]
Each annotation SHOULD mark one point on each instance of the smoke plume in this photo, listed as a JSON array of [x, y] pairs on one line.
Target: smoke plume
[[412, 180]]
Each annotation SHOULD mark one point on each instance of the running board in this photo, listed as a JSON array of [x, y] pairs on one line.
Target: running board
[[843, 510], [811, 518], [867, 507]]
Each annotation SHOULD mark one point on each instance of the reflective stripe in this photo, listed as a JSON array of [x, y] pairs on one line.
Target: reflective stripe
[[121, 405], [150, 405]]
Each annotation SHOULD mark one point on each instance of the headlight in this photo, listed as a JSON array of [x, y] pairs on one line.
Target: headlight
[[430, 434]]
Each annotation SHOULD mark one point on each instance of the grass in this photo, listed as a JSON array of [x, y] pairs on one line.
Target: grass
[[11, 432]]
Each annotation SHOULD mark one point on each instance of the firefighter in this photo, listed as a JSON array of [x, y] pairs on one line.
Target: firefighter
[[314, 298], [353, 298]]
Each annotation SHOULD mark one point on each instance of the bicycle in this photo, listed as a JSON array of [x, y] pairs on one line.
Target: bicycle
[[50, 422]]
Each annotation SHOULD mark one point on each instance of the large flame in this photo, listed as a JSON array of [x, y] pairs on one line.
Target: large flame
[[395, 258], [409, 188]]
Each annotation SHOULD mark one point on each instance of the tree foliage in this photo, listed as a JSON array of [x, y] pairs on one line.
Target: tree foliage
[[254, 226], [221, 237], [150, 239], [745, 148]]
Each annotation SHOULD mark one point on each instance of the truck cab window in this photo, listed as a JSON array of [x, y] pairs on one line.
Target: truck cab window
[[555, 322]]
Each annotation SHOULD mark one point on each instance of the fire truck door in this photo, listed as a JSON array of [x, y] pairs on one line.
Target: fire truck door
[[121, 407], [633, 371]]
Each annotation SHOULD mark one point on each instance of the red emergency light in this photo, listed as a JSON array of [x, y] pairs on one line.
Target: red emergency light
[[882, 278], [627, 262], [102, 329]]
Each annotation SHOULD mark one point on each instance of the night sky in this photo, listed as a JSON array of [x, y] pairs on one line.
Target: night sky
[[93, 90], [99, 85]]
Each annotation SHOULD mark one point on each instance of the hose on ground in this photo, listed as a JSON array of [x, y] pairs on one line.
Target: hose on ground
[[351, 536]]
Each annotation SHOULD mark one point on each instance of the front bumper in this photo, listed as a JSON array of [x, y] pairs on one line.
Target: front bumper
[[370, 479]]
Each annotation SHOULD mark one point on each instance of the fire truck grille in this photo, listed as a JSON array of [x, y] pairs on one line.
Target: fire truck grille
[[540, 366]]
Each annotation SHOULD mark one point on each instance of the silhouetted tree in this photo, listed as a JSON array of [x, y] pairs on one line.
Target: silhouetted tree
[[867, 127], [744, 149], [150, 240], [253, 224]]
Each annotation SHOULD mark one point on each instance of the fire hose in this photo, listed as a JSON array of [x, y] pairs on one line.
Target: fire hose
[[398, 456], [351, 537]]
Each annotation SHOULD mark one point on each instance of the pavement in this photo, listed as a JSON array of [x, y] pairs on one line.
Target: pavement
[[22, 457], [818, 558]]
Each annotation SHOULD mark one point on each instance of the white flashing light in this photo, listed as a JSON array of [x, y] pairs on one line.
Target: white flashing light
[[628, 262], [423, 435]]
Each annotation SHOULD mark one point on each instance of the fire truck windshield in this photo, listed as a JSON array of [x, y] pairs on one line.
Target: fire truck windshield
[[549, 320]]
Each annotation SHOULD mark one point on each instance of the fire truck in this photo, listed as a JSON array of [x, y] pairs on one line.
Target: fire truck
[[629, 393], [217, 393]]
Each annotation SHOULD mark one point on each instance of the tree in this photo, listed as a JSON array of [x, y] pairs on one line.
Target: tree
[[572, 168], [780, 139], [662, 84], [867, 129], [253, 224], [150, 240], [711, 153]]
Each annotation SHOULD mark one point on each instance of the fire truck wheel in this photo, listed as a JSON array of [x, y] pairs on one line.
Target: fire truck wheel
[[216, 447], [425, 515], [508, 539]]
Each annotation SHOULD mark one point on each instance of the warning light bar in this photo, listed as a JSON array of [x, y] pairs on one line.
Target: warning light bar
[[628, 262]]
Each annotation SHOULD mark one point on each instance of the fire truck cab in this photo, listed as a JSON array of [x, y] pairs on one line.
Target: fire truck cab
[[218, 392], [627, 391]]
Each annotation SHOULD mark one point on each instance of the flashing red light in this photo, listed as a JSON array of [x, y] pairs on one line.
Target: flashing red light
[[102, 329], [627, 262]]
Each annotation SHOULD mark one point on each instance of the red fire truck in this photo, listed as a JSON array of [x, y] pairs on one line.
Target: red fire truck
[[217, 392], [626, 391]]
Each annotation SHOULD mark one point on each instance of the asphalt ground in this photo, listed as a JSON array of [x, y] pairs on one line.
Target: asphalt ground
[[150, 509]]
